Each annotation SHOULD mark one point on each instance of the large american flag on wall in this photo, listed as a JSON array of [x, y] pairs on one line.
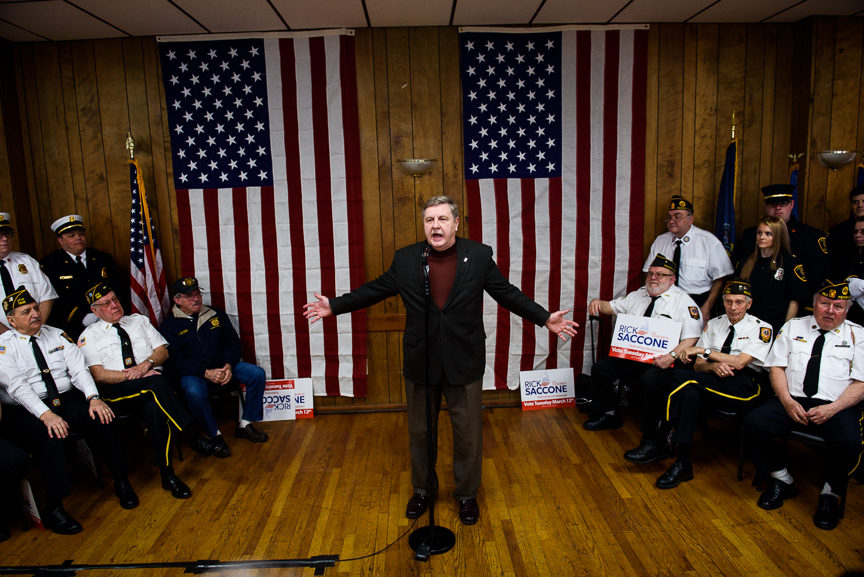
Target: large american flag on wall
[[554, 140], [265, 149]]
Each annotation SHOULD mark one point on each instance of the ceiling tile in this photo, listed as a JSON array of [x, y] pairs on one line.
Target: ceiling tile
[[482, 13], [56, 20], [142, 17], [820, 8], [233, 16], [578, 11], [304, 15], [15, 34], [396, 13], [661, 10], [743, 10]]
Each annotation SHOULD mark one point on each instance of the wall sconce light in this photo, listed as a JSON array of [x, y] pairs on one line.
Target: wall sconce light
[[416, 167], [834, 159]]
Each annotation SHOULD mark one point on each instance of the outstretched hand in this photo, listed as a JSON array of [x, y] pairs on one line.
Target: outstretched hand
[[561, 326], [319, 310]]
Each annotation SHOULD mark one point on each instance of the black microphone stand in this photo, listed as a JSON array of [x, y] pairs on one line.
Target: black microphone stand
[[429, 540]]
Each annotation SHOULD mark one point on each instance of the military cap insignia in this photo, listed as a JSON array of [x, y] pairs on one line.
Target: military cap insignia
[[823, 245], [71, 219], [682, 204], [22, 269], [832, 293], [188, 281], [765, 334], [799, 272], [845, 290], [104, 272], [67, 337], [2, 218], [694, 312]]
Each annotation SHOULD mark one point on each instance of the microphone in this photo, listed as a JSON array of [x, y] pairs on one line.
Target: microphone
[[426, 252]]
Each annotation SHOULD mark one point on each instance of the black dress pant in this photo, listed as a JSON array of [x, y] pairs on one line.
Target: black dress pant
[[607, 370], [842, 433], [27, 431], [680, 399], [13, 466], [156, 398]]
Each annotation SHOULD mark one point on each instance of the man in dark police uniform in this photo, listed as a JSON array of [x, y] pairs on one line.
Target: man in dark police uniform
[[460, 270], [73, 269]]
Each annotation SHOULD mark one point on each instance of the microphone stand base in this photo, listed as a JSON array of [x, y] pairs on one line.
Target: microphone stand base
[[431, 540]]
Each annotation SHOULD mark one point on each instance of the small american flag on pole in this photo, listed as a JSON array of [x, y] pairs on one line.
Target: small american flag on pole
[[149, 288]]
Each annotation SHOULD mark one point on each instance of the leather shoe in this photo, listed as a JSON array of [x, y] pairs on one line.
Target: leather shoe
[[127, 496], [224, 451], [604, 421], [772, 497], [827, 512], [250, 433], [675, 475], [417, 505], [469, 511], [179, 489], [61, 522], [206, 447], [647, 451]]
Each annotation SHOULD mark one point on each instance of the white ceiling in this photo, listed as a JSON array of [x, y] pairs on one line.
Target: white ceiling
[[27, 20]]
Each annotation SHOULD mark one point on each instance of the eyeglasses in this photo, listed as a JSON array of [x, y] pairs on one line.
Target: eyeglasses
[[675, 217], [7, 234], [786, 202], [657, 274], [108, 304]]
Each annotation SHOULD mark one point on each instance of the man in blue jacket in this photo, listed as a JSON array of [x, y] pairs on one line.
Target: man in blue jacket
[[204, 352]]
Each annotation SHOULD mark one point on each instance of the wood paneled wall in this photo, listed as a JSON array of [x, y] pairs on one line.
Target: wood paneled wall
[[65, 109]]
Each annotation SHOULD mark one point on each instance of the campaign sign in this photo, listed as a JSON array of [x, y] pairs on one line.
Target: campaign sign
[[642, 339], [286, 400], [547, 388], [28, 503]]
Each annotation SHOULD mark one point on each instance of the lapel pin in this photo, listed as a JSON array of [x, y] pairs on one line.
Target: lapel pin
[[466, 259]]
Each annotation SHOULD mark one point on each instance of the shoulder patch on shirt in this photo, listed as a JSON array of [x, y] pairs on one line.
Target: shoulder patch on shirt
[[694, 312], [67, 337], [823, 245], [81, 342], [22, 269], [183, 332], [799, 272], [2, 350], [765, 334]]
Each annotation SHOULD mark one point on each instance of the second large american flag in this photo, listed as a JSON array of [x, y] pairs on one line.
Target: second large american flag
[[554, 141]]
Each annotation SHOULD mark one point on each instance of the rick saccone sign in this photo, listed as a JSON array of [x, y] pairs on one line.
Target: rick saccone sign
[[547, 388], [641, 339], [287, 400]]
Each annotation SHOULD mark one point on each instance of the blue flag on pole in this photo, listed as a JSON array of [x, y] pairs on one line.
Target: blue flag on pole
[[725, 226], [793, 180]]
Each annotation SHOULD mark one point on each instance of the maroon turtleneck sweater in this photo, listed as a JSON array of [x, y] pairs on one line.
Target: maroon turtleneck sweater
[[442, 273]]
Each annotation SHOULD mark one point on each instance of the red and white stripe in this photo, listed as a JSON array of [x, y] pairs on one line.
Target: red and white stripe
[[261, 252], [584, 229]]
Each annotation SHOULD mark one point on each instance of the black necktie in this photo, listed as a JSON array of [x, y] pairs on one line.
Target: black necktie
[[81, 263], [7, 278], [125, 347], [727, 344], [676, 258], [650, 308], [811, 377], [50, 385]]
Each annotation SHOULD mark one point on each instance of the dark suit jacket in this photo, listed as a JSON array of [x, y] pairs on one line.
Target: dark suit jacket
[[72, 284], [456, 333]]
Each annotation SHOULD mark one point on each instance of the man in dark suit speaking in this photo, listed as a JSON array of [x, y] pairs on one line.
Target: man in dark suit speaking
[[460, 270]]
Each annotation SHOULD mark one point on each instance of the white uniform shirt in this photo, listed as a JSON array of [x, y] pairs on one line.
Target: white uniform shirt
[[20, 378], [25, 270], [842, 356], [673, 304], [703, 259], [100, 343], [752, 337]]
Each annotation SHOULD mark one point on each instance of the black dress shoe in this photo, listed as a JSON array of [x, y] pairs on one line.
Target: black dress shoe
[[772, 497], [469, 511], [224, 451], [827, 512], [61, 522], [179, 489], [417, 505], [604, 421], [250, 433], [127, 496], [675, 475], [206, 447], [647, 451]]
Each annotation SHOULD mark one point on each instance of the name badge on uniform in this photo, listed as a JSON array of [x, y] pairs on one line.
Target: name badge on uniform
[[779, 274], [67, 277]]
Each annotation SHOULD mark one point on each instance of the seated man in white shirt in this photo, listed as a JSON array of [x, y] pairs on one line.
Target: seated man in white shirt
[[817, 371], [124, 353], [728, 361], [658, 298], [47, 393]]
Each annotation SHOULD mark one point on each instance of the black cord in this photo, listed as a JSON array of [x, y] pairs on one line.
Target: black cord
[[384, 549]]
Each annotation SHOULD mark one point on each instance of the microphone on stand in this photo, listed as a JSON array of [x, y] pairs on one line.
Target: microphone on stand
[[425, 261]]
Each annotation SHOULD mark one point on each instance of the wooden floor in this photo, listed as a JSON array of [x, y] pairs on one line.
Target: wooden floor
[[556, 500]]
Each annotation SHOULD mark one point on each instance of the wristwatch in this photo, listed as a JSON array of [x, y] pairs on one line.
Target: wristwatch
[[706, 354], [93, 398], [673, 354], [152, 364]]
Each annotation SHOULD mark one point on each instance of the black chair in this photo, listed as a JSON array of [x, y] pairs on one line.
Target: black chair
[[814, 442]]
